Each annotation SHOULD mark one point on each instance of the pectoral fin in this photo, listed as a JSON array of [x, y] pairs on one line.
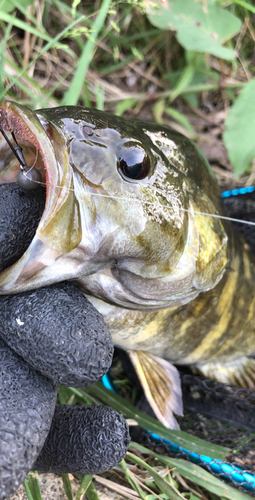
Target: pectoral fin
[[240, 372], [162, 387]]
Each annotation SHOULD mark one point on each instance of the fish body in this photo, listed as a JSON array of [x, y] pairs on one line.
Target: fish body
[[131, 216]]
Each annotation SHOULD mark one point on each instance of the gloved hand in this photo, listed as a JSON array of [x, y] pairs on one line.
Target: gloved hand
[[49, 336]]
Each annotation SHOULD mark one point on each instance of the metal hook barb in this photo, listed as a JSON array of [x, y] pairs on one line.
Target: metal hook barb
[[17, 150]]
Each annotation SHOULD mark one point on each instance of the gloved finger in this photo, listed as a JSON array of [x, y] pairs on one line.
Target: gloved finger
[[27, 403], [20, 214], [84, 440], [58, 332]]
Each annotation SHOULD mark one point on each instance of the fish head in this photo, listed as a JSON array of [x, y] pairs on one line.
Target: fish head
[[131, 208]]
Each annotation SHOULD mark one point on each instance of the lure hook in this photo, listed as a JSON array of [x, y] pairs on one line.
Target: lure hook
[[28, 178]]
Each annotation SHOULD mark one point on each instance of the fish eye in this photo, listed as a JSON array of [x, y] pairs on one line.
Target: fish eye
[[134, 163]]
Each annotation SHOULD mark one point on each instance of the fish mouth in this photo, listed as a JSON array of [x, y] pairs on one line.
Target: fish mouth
[[31, 136], [29, 133], [58, 231]]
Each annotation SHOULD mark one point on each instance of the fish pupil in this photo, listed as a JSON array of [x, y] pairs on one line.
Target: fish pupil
[[134, 164], [132, 171]]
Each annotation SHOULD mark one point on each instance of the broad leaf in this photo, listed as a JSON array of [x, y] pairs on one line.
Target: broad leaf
[[8, 6], [201, 26], [240, 129]]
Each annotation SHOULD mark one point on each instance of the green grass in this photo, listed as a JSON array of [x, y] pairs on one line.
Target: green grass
[[154, 475]]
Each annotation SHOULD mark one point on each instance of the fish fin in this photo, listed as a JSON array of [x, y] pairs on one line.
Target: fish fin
[[240, 372], [161, 384]]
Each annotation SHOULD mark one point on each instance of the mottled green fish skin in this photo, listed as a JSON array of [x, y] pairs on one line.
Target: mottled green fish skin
[[218, 325], [169, 279]]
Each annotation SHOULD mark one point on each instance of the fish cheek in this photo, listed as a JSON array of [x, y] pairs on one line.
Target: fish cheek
[[213, 241], [64, 230], [162, 245]]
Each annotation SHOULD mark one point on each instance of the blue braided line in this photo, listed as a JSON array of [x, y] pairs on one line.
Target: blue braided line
[[225, 469], [235, 192]]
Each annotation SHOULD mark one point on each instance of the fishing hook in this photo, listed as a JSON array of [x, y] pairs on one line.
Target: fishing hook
[[28, 178]]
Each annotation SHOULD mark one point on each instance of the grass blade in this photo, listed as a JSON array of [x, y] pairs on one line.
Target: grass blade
[[181, 118], [124, 106], [163, 485], [47, 47], [8, 18], [72, 95], [245, 5], [132, 480], [85, 482], [91, 493], [184, 81], [196, 474], [183, 439], [32, 486], [2, 52], [25, 12], [67, 486], [99, 97]]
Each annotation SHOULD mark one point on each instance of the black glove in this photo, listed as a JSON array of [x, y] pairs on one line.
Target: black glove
[[58, 337]]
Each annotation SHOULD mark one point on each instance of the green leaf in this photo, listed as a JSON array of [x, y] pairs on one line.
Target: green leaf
[[239, 131], [72, 95], [163, 485], [8, 6], [181, 438], [32, 486], [85, 483], [198, 475], [67, 486], [201, 26]]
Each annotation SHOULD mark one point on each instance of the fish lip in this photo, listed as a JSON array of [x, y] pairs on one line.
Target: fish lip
[[26, 125]]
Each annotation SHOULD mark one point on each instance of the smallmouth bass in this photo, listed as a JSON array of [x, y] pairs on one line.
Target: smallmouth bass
[[131, 216]]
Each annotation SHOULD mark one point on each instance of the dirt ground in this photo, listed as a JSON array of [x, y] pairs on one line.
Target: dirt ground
[[52, 489]]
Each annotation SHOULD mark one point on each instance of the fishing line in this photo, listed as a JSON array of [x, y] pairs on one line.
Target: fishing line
[[29, 178], [122, 198]]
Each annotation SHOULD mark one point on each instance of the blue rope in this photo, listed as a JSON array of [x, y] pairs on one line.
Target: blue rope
[[235, 192], [224, 469]]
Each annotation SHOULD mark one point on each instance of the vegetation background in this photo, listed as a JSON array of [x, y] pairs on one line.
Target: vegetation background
[[189, 64]]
